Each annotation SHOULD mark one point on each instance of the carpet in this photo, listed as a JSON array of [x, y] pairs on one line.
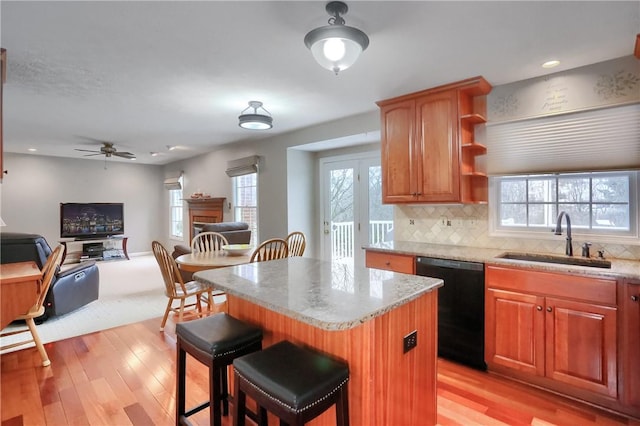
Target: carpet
[[130, 291]]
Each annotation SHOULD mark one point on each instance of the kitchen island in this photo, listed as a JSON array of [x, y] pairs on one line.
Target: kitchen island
[[356, 314]]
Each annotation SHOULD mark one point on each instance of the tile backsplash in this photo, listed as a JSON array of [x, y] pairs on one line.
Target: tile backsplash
[[467, 225]]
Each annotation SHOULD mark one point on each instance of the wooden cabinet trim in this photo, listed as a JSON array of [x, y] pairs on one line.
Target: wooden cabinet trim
[[574, 287]]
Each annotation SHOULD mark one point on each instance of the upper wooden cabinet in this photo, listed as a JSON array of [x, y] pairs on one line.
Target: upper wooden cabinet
[[428, 145]]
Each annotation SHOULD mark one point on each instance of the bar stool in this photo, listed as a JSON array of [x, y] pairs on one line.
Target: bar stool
[[215, 341], [294, 383]]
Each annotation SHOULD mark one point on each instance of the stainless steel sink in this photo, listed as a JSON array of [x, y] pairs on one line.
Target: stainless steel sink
[[550, 258]]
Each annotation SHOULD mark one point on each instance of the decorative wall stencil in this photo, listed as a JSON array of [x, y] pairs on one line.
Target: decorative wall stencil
[[614, 82], [505, 106], [619, 84]]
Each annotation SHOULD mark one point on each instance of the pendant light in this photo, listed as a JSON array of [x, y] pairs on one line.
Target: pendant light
[[255, 120], [336, 46]]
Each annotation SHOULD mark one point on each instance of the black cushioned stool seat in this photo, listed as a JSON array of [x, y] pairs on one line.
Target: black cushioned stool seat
[[294, 383], [214, 341]]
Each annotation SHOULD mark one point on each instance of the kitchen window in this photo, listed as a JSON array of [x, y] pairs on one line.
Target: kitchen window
[[245, 200], [176, 212], [599, 203]]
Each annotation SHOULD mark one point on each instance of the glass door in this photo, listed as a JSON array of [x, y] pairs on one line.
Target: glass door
[[352, 209]]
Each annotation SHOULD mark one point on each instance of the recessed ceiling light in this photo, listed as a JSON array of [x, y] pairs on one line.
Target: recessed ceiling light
[[171, 147], [31, 149], [551, 64], [154, 154], [132, 158]]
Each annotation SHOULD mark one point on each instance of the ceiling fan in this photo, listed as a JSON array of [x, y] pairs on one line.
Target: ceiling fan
[[108, 150]]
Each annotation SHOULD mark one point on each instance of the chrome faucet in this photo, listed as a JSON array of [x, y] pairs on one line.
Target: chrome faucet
[[569, 249]]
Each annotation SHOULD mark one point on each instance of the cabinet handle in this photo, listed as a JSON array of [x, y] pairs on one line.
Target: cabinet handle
[[388, 263], [634, 298], [539, 307], [549, 309]]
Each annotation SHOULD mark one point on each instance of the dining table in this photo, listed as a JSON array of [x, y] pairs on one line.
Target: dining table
[[200, 261], [18, 289]]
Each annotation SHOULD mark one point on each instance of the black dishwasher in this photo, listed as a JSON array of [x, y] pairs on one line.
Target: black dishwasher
[[460, 309]]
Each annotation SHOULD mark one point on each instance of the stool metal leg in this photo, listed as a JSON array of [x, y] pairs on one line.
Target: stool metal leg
[[215, 412], [239, 403], [180, 383]]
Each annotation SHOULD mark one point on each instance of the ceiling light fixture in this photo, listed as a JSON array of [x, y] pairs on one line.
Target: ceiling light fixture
[[551, 64], [255, 120], [336, 46]]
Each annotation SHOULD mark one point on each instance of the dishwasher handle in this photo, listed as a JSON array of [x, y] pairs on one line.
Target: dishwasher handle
[[451, 264]]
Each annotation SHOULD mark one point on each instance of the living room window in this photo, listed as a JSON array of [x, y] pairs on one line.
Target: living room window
[[599, 203], [245, 201], [176, 212]]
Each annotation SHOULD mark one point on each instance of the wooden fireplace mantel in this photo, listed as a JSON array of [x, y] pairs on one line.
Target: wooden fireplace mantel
[[204, 210]]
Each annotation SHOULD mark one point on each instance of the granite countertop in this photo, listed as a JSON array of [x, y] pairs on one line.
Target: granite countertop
[[327, 295], [619, 268]]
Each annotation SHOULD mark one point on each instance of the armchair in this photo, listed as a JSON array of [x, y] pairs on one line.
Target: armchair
[[71, 287]]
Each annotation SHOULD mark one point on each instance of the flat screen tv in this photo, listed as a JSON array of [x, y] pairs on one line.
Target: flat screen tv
[[91, 220]]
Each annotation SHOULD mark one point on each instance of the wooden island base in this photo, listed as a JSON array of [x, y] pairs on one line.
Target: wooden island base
[[387, 386]]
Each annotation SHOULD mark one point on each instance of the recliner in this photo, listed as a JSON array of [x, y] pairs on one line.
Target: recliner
[[72, 287]]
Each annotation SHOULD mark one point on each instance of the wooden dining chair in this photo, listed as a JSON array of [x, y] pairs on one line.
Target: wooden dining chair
[[296, 242], [208, 241], [48, 273], [177, 289], [275, 248]]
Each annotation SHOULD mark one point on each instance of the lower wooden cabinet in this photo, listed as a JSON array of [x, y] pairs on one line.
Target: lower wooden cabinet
[[629, 302], [557, 330], [391, 262]]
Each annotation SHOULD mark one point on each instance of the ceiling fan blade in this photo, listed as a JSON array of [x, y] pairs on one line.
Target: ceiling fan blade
[[87, 150], [124, 154], [92, 155]]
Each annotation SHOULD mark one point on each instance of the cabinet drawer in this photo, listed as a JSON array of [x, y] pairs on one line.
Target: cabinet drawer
[[391, 262], [582, 288]]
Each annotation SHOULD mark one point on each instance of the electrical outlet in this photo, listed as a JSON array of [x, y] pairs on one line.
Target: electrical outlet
[[412, 222], [410, 341]]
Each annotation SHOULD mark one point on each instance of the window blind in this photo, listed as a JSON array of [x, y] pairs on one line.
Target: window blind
[[602, 139], [242, 166]]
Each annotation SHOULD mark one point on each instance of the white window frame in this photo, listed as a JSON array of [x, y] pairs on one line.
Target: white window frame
[[239, 207], [176, 212], [542, 232]]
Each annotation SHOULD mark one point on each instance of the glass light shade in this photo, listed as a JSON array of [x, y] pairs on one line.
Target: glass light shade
[[336, 47], [255, 121]]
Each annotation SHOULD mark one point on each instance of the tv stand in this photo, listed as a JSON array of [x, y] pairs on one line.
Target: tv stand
[[83, 249]]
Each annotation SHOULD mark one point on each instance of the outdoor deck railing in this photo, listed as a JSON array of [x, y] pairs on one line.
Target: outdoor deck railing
[[342, 236]]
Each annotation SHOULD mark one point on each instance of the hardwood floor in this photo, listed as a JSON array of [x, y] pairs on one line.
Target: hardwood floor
[[125, 376]]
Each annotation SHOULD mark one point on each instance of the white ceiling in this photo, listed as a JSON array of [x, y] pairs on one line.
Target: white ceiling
[[148, 74]]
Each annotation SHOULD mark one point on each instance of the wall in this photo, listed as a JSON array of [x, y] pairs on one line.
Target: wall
[[35, 186], [275, 216]]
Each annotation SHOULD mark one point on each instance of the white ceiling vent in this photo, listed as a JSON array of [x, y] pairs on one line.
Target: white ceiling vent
[[243, 166]]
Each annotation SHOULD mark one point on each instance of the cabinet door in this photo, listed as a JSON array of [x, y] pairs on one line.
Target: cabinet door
[[400, 176], [514, 331], [630, 345], [437, 133], [581, 345]]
